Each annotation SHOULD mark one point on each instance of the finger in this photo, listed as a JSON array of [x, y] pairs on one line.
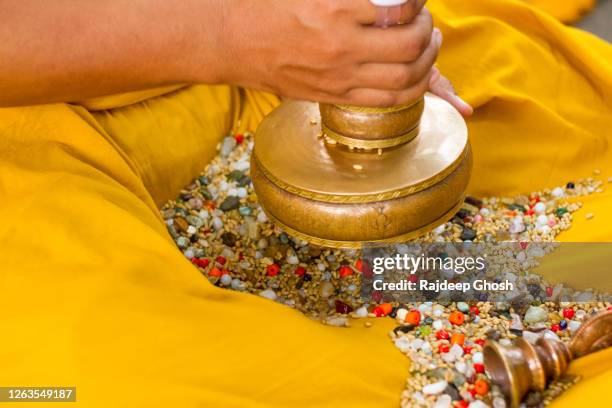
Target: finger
[[365, 11], [397, 77], [441, 86], [382, 98], [405, 43]]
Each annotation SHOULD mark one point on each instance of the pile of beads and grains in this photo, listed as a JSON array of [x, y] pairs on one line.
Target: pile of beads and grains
[[219, 225]]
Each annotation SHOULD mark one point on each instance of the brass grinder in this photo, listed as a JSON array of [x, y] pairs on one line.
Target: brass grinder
[[339, 176], [523, 366]]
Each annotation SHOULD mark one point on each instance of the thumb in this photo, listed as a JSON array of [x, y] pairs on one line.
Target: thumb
[[442, 87]]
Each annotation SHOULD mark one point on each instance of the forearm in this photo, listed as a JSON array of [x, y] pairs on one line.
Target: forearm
[[65, 50]]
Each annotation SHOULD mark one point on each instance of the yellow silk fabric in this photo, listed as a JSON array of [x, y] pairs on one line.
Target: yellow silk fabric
[[94, 294], [567, 11]]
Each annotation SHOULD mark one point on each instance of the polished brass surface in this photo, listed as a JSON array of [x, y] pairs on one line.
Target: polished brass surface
[[371, 128], [334, 196], [523, 367], [595, 334], [288, 147], [371, 144], [347, 225]]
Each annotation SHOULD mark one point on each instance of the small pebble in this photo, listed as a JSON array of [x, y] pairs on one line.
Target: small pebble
[[435, 388]]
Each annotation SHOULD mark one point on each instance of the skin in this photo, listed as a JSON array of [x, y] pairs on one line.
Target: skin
[[321, 50]]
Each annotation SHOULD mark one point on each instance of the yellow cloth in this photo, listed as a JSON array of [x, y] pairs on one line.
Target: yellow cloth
[[568, 11], [94, 293]]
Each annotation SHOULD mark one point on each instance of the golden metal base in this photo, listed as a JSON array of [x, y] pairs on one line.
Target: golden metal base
[[331, 194], [522, 367]]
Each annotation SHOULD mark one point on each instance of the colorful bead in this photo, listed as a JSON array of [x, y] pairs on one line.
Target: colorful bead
[[413, 317], [345, 271], [456, 318], [481, 387], [215, 272], [272, 270], [200, 262], [568, 313], [457, 338], [442, 335]]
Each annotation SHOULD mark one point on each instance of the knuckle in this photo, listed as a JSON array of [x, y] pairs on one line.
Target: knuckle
[[335, 87], [386, 99], [402, 78]]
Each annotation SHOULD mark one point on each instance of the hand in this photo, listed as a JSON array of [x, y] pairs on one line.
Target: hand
[[328, 50]]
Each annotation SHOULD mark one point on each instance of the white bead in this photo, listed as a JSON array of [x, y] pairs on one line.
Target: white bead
[[540, 208], [477, 358], [226, 279], [268, 294], [435, 388], [558, 192], [401, 314], [542, 220], [361, 312]]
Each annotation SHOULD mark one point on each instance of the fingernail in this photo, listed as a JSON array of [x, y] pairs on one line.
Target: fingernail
[[464, 105], [438, 37]]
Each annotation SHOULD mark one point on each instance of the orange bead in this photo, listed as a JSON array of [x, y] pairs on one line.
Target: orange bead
[[457, 338], [457, 318], [386, 308], [481, 387], [215, 272], [413, 317]]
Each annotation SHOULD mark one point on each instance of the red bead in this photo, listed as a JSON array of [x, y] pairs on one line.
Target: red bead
[[555, 328], [475, 310], [479, 367], [300, 271], [462, 404], [345, 271], [442, 335], [480, 342], [549, 291], [467, 349], [240, 256], [412, 278], [377, 296], [216, 272], [239, 139], [342, 307], [568, 313], [359, 265], [472, 392], [201, 262], [272, 270], [523, 245], [443, 348], [529, 212], [221, 260], [378, 311]]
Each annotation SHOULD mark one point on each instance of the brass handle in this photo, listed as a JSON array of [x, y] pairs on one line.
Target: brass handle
[[374, 128]]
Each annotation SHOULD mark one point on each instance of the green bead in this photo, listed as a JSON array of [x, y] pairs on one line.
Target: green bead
[[245, 211], [205, 193], [235, 175], [424, 331], [560, 211]]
